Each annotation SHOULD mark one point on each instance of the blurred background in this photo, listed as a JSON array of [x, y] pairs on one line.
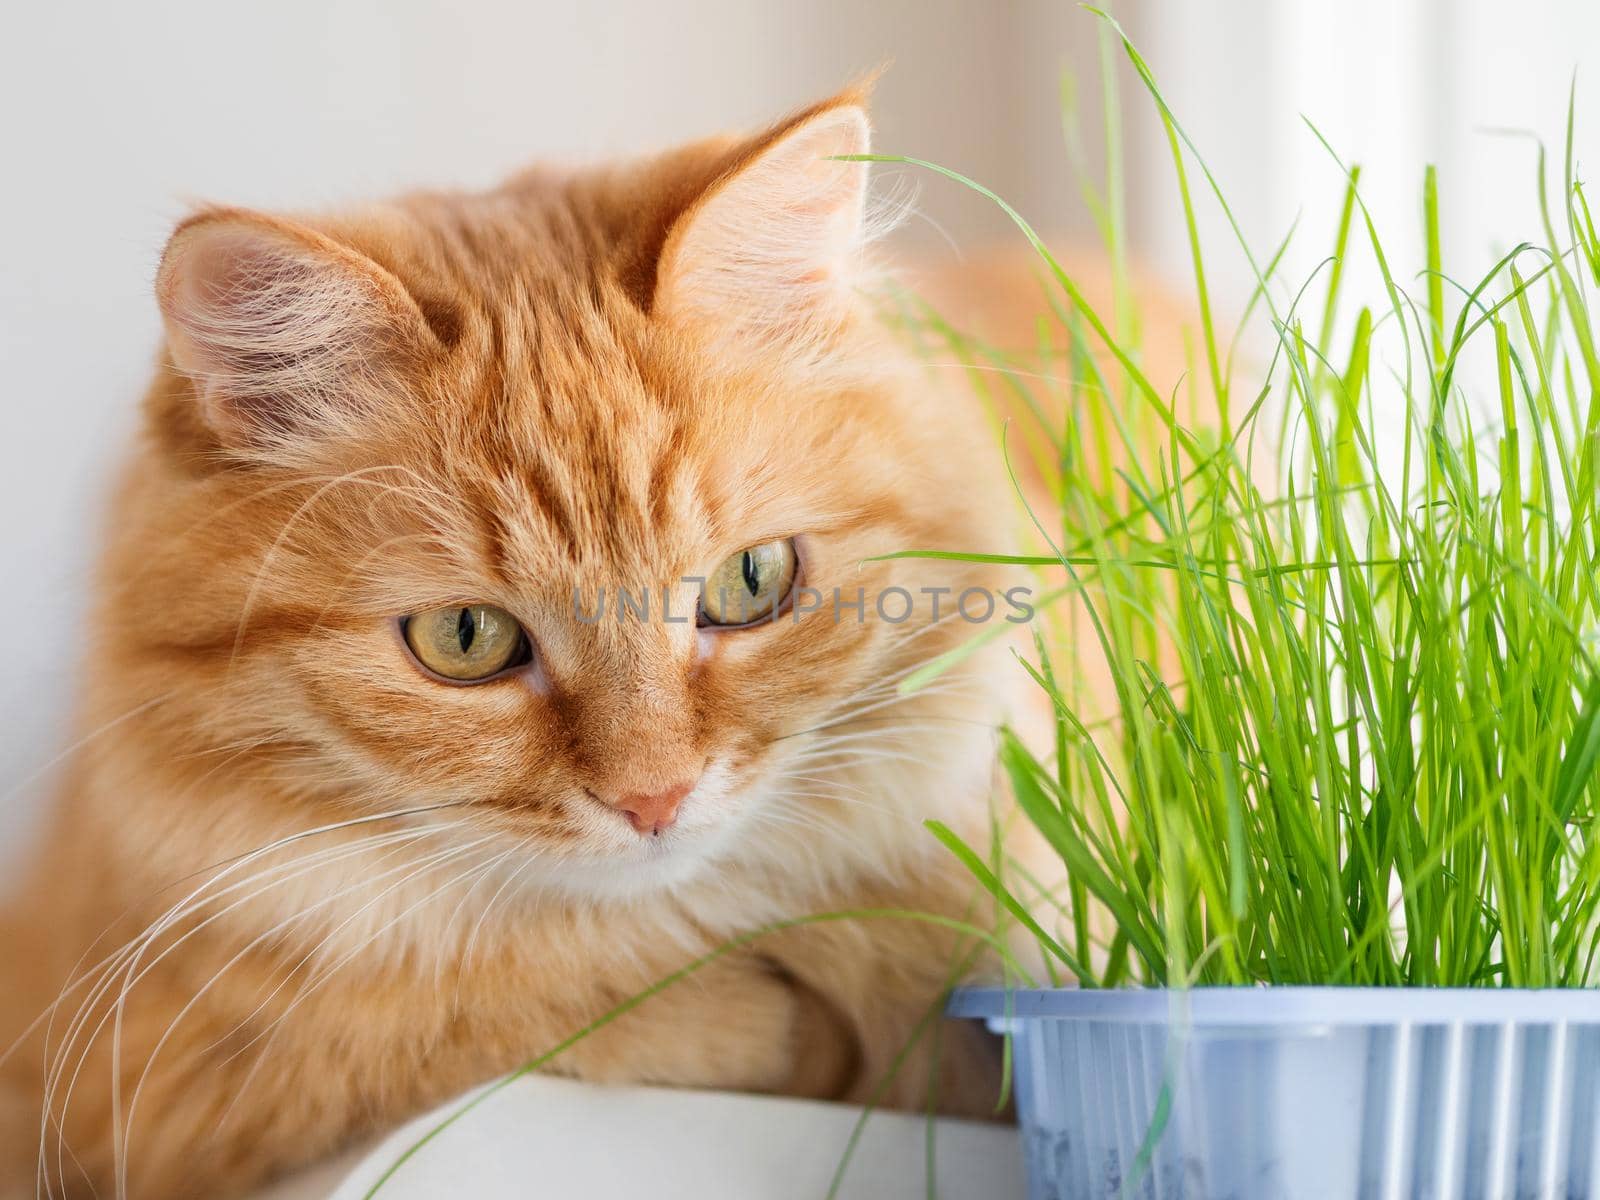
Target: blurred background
[[118, 116]]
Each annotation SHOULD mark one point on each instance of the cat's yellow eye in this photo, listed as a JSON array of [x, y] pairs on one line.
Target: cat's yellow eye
[[466, 642], [750, 585]]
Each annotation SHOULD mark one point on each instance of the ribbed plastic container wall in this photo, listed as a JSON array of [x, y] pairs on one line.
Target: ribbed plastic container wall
[[1304, 1093]]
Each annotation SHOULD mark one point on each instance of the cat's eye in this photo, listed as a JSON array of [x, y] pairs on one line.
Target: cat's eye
[[749, 586], [466, 642]]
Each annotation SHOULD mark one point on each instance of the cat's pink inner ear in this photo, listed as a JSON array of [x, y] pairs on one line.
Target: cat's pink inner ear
[[773, 246], [281, 330]]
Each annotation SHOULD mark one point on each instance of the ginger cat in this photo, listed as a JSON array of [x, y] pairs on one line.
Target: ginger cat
[[379, 793]]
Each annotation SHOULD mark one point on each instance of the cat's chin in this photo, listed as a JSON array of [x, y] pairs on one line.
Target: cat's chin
[[623, 880], [621, 883], [645, 869]]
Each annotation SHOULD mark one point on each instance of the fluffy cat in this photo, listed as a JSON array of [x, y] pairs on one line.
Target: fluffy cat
[[372, 805]]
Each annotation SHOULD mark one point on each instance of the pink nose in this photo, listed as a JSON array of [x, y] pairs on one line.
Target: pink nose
[[651, 813]]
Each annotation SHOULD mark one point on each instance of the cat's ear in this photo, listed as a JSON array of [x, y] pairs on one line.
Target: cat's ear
[[770, 249], [285, 333]]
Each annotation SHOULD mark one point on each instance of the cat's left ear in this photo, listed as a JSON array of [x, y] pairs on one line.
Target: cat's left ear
[[770, 250], [287, 335]]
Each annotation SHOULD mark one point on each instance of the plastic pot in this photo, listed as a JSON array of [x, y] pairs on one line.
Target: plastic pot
[[1303, 1093]]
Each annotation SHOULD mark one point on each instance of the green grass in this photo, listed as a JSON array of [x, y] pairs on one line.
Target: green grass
[[1349, 619]]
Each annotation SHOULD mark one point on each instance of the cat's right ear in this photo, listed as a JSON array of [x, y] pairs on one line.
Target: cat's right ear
[[771, 250], [284, 333]]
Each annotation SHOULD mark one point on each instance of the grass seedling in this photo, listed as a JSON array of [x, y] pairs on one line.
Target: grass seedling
[[1353, 719]]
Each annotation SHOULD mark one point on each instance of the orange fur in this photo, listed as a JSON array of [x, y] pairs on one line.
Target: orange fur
[[567, 382]]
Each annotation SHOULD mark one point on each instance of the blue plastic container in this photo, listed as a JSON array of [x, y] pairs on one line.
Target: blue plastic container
[[1304, 1093]]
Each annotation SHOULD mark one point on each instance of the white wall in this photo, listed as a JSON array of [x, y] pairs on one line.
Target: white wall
[[117, 115], [1392, 85]]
